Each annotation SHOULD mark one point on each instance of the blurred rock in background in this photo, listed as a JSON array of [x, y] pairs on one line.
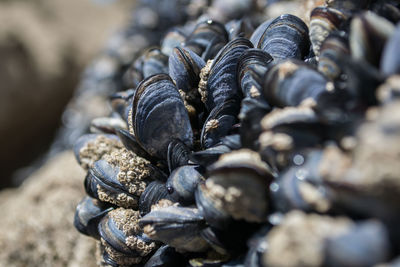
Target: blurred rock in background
[[44, 45]]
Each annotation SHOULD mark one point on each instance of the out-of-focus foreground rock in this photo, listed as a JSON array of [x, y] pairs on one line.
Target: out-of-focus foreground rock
[[44, 45], [37, 222]]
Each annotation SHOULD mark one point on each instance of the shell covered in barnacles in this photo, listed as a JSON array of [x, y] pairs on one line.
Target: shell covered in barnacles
[[233, 187]]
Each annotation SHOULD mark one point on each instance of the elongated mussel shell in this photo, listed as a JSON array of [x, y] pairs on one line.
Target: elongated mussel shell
[[120, 178], [290, 82], [176, 226], [324, 20], [221, 83], [182, 183], [239, 28], [88, 214], [390, 61], [92, 147], [131, 144], [122, 239], [286, 37], [159, 116], [334, 46], [368, 35], [234, 189], [207, 39], [219, 123], [184, 68], [165, 256], [107, 125]]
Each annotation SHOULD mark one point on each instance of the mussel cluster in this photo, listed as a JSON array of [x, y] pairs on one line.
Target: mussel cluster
[[244, 142]]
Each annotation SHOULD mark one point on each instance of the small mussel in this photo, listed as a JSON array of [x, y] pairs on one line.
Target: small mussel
[[233, 188], [88, 214], [176, 226], [156, 104], [182, 183], [291, 82], [285, 37], [324, 20], [122, 239]]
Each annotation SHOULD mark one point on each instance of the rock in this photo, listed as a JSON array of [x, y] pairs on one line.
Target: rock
[[37, 228]]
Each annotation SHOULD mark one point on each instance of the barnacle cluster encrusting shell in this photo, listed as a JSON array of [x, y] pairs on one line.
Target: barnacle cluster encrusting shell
[[251, 141]]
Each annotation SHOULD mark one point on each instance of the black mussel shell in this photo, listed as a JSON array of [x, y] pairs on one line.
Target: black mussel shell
[[259, 31], [323, 21], [120, 102], [207, 39], [165, 256], [131, 144], [154, 62], [173, 38], [178, 155], [159, 116], [154, 192], [251, 68], [219, 123], [290, 82], [88, 214], [286, 37], [222, 80], [176, 226], [239, 28], [184, 68], [182, 183], [210, 155]]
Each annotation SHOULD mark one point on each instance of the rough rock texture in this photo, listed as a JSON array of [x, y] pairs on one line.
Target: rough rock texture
[[36, 226], [44, 45]]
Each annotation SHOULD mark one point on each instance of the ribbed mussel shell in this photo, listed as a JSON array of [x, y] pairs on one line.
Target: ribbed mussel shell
[[156, 104], [285, 37]]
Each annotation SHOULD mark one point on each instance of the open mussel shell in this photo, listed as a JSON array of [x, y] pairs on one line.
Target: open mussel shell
[[88, 214], [159, 116], [182, 184], [184, 68], [291, 82], [286, 37], [91, 147], [251, 67], [219, 123], [390, 61], [131, 144], [221, 84], [324, 20], [176, 226], [207, 38], [178, 155], [368, 35], [154, 192], [122, 238]]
